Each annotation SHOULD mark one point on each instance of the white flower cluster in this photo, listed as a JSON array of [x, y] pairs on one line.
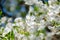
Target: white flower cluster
[[41, 22]]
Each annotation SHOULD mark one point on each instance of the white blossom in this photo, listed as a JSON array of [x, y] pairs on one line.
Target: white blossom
[[3, 19], [30, 2], [10, 20], [7, 29], [28, 28], [32, 37], [19, 19]]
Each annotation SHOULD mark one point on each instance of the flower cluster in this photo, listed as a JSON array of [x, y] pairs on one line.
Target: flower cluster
[[41, 23]]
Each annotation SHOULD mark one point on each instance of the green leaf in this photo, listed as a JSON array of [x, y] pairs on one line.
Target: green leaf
[[18, 7], [54, 23], [26, 33], [23, 14], [47, 3], [38, 14], [37, 33], [3, 38], [31, 14], [10, 35], [57, 3], [40, 31], [36, 8], [0, 12]]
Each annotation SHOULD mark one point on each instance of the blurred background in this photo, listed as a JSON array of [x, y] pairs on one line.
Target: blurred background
[[14, 8]]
